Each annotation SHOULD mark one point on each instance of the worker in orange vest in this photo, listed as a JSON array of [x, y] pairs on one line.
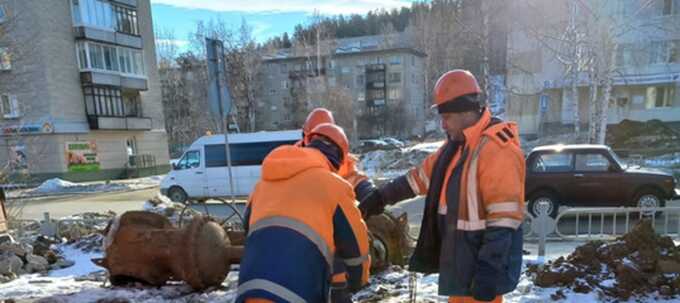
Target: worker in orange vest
[[361, 184], [474, 186], [300, 219]]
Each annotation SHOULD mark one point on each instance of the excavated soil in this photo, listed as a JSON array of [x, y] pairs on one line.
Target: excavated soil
[[639, 263]]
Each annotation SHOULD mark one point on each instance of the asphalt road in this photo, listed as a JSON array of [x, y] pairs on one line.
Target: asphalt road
[[123, 201], [62, 206]]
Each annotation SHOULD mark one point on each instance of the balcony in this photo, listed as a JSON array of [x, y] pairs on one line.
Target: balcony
[[119, 123], [107, 36], [306, 73], [132, 3], [93, 77]]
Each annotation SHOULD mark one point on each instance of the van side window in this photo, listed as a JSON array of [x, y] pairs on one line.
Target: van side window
[[191, 159], [242, 154]]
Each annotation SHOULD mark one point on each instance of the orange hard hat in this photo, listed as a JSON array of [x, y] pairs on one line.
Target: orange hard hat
[[317, 116], [333, 133], [454, 84]]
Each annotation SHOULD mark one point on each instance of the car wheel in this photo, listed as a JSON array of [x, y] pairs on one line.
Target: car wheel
[[544, 201], [649, 199], [177, 194]]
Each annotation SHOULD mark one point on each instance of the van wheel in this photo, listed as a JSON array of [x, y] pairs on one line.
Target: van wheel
[[177, 194], [649, 198], [543, 201]]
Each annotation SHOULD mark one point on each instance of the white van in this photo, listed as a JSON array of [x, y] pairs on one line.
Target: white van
[[202, 173]]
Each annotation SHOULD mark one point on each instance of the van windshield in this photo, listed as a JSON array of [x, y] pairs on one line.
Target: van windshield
[[242, 154], [191, 159]]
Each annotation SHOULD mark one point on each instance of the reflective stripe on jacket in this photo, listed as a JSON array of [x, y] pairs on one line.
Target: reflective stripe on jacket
[[484, 231], [299, 216]]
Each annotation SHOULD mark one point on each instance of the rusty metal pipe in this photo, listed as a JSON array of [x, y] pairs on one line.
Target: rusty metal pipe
[[144, 246]]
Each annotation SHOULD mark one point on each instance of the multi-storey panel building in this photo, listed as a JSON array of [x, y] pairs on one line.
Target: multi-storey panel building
[[79, 90]]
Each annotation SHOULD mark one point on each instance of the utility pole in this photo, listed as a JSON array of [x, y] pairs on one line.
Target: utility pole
[[219, 96]]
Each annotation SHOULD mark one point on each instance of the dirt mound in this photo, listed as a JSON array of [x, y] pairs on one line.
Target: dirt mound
[[639, 135], [636, 264]]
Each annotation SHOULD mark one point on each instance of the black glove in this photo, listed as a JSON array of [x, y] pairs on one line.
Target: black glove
[[372, 205]]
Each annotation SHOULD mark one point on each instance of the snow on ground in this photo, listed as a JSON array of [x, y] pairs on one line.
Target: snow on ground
[[83, 264], [59, 186], [429, 147], [395, 162], [663, 161], [78, 284]]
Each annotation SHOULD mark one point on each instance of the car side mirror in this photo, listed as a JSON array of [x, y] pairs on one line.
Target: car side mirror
[[613, 169], [174, 166]]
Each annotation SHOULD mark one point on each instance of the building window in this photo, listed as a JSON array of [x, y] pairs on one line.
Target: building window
[[671, 7], [9, 106], [331, 82], [345, 70], [284, 84], [131, 61], [103, 101], [94, 13], [361, 97], [104, 57], [674, 51], [657, 52], [5, 59], [283, 68], [394, 93], [394, 77], [132, 105], [413, 60], [360, 80], [126, 20], [659, 96], [395, 60], [332, 64]]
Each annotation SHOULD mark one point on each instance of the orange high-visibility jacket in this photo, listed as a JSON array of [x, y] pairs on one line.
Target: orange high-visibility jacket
[[474, 207], [300, 217]]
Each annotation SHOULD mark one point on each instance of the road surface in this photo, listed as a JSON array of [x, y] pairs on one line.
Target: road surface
[[58, 207], [123, 201]]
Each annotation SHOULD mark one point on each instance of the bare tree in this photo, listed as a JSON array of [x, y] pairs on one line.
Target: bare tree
[[22, 143], [586, 40]]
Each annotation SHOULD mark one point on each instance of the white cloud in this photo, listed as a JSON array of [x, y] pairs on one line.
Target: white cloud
[[322, 6]]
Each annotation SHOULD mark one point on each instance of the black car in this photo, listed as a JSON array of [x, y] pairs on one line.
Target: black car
[[591, 175]]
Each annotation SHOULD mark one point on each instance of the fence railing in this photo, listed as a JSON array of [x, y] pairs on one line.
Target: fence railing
[[608, 222]]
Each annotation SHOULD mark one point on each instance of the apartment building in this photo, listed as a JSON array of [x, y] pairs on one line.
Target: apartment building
[[645, 76], [79, 90], [382, 77]]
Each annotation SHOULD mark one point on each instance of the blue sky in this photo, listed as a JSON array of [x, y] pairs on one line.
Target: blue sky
[[266, 17]]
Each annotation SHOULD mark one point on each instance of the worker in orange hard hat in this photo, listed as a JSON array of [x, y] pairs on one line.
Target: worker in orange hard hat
[[474, 186], [348, 170], [300, 219], [317, 116]]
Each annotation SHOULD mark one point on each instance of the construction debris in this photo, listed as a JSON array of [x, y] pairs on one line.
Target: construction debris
[[145, 247], [638, 264], [390, 243], [18, 258], [641, 135]]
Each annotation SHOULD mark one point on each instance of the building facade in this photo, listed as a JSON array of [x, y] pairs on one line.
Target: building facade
[[80, 91], [643, 44], [378, 80]]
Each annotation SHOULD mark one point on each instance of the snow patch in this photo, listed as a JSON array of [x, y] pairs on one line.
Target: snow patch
[[83, 263], [59, 186]]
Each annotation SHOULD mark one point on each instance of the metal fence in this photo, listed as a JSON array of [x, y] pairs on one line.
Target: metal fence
[[608, 222]]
